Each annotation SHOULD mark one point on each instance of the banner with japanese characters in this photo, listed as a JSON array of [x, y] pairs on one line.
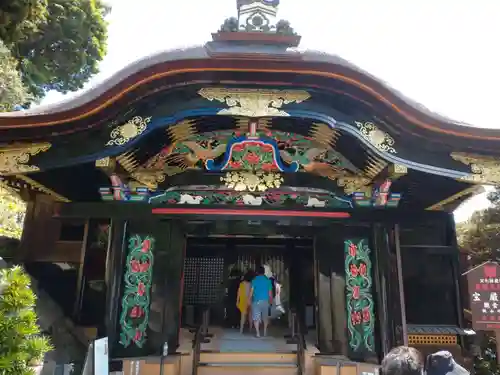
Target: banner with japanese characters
[[484, 291]]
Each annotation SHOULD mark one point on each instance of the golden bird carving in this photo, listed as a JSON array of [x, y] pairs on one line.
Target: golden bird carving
[[203, 153]]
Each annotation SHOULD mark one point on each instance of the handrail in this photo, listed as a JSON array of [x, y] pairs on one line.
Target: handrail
[[298, 332], [199, 337]]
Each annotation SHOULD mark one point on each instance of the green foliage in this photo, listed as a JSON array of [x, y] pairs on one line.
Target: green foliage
[[12, 212], [65, 50], [486, 362], [19, 18], [21, 344], [479, 237], [12, 90]]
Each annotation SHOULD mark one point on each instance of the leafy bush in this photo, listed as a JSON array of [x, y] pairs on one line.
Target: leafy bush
[[21, 344]]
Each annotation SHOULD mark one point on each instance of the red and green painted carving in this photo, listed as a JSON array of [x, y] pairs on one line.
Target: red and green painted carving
[[252, 155], [223, 196], [359, 297], [283, 149], [136, 291]]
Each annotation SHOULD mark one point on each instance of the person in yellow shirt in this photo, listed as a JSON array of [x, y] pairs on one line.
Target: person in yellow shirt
[[243, 301]]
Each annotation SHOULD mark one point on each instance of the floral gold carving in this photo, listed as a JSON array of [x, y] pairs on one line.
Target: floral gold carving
[[107, 163], [354, 184], [125, 133], [150, 179], [381, 140], [484, 169], [254, 102], [249, 181], [14, 158]]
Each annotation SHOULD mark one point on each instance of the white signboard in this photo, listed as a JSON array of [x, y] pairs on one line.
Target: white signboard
[[101, 356]]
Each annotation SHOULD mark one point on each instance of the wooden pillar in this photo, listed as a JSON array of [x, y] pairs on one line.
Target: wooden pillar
[[381, 254], [401, 314], [330, 292], [114, 274], [89, 308], [80, 283], [169, 273], [41, 231]]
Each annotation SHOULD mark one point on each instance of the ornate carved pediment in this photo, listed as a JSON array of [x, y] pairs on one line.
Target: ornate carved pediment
[[14, 158], [484, 169], [381, 140], [254, 102], [123, 134]]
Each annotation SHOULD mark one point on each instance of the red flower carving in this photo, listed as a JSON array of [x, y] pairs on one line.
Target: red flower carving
[[252, 158], [135, 266], [146, 245], [268, 167], [238, 148], [362, 269], [366, 315], [143, 267], [136, 312], [355, 292], [354, 270], [137, 336], [235, 164], [356, 318], [352, 250], [266, 148], [141, 289]]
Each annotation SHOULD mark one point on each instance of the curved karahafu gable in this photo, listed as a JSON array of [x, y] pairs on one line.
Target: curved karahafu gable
[[250, 74], [208, 63]]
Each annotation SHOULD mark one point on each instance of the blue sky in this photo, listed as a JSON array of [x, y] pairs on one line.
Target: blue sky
[[443, 53]]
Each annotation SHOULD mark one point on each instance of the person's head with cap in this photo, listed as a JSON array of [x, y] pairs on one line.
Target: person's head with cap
[[402, 360], [442, 363]]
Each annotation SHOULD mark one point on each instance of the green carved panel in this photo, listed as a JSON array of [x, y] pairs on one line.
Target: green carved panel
[[136, 297], [359, 296]]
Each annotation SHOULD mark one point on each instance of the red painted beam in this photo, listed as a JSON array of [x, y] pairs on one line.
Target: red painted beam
[[233, 212]]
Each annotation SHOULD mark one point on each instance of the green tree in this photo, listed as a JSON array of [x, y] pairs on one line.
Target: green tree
[[65, 50], [12, 90], [21, 344], [12, 212], [479, 237], [19, 18]]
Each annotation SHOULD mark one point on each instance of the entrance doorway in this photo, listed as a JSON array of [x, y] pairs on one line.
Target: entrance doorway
[[214, 265]]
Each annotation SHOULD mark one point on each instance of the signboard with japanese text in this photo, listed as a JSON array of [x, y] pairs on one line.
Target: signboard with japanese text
[[484, 291]]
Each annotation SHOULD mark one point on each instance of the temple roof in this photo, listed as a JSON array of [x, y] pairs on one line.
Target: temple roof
[[251, 83], [206, 52]]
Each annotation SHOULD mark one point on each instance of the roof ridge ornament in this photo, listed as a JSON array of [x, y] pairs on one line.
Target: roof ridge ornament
[[257, 22], [253, 102]]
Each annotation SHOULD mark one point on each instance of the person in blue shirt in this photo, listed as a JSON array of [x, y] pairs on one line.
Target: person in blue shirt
[[261, 296]]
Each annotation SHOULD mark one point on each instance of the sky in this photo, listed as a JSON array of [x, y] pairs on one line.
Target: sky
[[442, 53]]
